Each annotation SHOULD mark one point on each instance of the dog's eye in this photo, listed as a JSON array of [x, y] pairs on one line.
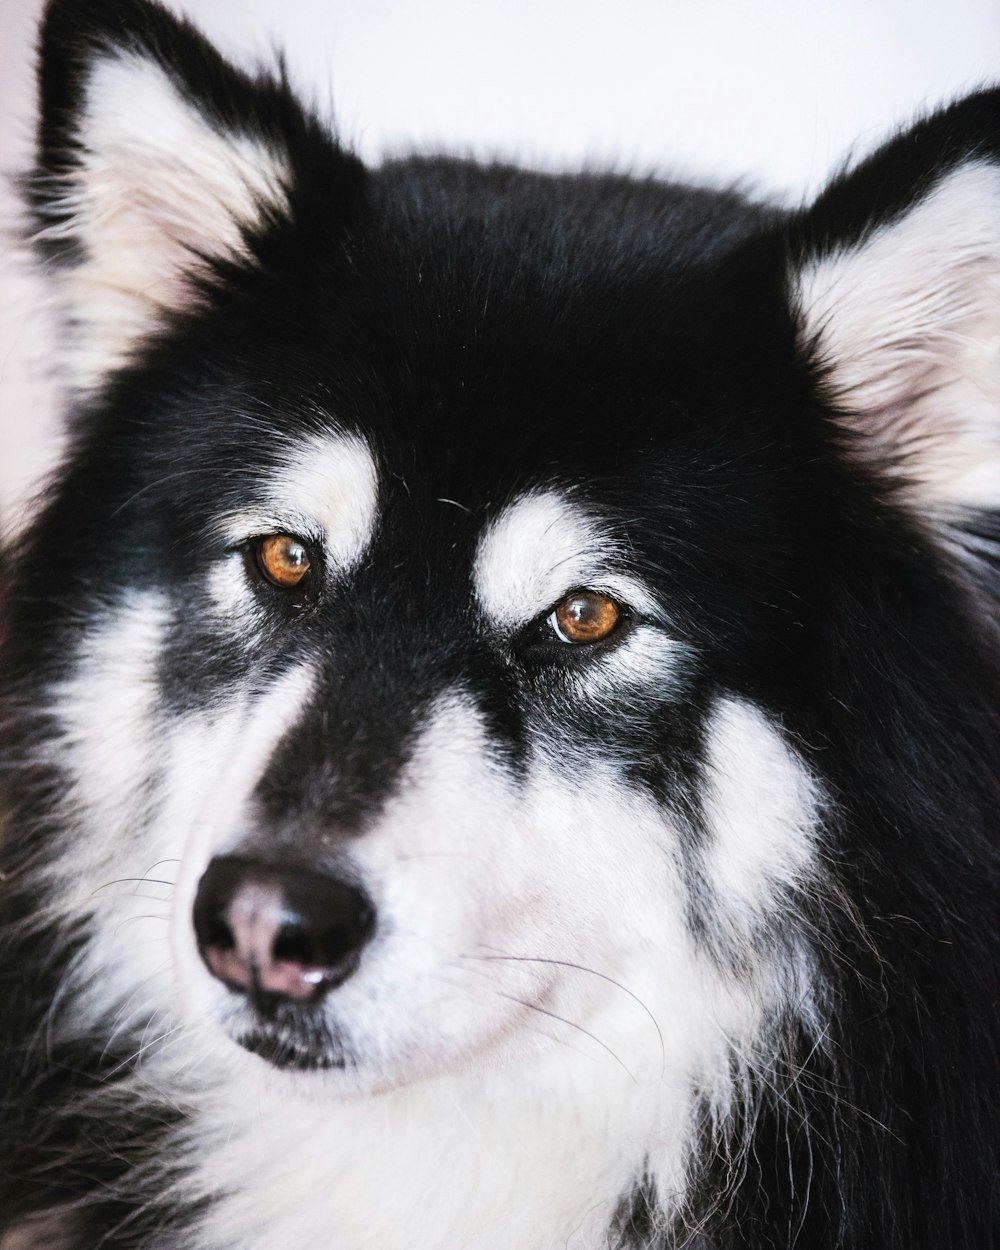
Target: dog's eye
[[585, 616], [283, 559]]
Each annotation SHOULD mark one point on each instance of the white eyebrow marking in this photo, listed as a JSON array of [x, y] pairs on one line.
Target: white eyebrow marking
[[329, 483], [540, 548]]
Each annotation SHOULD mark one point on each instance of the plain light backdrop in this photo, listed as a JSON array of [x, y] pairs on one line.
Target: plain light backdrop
[[772, 94]]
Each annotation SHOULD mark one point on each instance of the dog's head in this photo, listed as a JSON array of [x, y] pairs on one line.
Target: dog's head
[[468, 587]]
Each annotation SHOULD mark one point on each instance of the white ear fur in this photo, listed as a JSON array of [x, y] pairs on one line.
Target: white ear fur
[[157, 188], [907, 323]]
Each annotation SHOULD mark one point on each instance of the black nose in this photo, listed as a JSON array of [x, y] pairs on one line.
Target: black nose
[[279, 934]]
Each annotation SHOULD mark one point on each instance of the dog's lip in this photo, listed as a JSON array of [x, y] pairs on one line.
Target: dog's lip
[[287, 1053], [294, 1036]]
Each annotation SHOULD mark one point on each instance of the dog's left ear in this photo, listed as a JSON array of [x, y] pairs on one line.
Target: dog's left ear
[[896, 286]]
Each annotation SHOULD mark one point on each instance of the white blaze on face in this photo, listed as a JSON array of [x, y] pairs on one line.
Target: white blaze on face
[[533, 992]]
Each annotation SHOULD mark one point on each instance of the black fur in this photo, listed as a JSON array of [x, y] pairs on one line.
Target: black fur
[[487, 328]]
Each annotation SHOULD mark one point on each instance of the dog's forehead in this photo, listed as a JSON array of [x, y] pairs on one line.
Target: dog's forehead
[[538, 543]]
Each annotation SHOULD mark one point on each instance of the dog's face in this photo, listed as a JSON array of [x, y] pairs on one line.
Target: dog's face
[[448, 573], [427, 658]]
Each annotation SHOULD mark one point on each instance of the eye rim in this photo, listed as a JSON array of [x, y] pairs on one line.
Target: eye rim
[[539, 642], [290, 585]]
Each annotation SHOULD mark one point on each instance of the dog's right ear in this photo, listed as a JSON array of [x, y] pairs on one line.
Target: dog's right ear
[[156, 161]]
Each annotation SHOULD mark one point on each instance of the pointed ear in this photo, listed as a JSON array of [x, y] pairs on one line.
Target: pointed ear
[[156, 161], [896, 286]]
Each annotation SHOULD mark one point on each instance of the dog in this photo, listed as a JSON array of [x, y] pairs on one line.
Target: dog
[[500, 700]]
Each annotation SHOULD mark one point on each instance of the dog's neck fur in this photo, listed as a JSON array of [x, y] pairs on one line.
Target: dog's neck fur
[[521, 1159]]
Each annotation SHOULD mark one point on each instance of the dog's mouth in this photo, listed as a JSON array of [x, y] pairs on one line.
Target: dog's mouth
[[290, 1054], [294, 1041], [289, 1035]]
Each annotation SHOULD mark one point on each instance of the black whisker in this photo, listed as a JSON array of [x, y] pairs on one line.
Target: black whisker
[[566, 963], [573, 1025]]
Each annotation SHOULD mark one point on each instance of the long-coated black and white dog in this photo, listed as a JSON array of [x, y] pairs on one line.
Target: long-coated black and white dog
[[501, 701]]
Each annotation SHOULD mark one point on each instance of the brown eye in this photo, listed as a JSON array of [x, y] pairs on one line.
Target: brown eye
[[585, 616], [283, 560]]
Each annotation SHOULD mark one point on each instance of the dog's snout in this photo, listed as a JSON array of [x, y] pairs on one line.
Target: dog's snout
[[279, 934]]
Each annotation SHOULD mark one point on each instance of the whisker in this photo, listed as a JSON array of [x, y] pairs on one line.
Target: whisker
[[145, 1046], [136, 881], [126, 1011], [566, 963], [145, 916], [573, 1025], [550, 1037]]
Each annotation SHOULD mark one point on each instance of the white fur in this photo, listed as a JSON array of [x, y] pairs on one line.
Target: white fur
[[645, 664], [539, 548], [107, 743], [106, 718], [762, 806], [908, 322], [327, 492], [520, 1132], [157, 187]]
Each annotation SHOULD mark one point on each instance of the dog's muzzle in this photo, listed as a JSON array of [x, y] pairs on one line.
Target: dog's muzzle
[[279, 935]]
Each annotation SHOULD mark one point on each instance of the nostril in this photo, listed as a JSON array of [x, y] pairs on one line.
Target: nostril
[[326, 930], [279, 933], [293, 946], [218, 934]]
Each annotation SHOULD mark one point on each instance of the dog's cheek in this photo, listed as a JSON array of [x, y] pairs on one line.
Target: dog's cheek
[[762, 811], [106, 715], [452, 891], [510, 904], [101, 879]]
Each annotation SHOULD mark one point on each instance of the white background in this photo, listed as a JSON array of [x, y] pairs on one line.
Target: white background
[[770, 93]]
